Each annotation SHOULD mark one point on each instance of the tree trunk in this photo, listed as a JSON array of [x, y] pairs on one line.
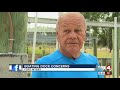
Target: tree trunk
[[13, 29]]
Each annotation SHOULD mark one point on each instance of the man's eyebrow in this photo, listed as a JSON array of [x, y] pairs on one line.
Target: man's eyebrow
[[64, 25], [79, 25]]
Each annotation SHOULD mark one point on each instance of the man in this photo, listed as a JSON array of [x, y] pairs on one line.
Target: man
[[71, 34]]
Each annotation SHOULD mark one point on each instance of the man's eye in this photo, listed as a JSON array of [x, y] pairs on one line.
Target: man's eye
[[78, 30], [66, 30]]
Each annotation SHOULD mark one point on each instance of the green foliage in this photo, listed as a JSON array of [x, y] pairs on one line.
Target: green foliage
[[19, 24], [20, 30], [104, 37], [4, 32]]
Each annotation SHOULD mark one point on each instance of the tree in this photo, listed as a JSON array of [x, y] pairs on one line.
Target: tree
[[105, 37], [13, 29]]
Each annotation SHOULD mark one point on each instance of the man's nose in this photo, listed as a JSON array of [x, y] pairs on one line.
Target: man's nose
[[72, 35]]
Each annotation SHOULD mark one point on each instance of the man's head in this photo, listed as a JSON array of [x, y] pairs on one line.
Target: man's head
[[71, 33]]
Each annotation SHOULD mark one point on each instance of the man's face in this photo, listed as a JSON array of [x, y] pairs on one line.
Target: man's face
[[71, 34]]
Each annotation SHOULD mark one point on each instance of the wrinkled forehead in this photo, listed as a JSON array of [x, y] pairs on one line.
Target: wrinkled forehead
[[71, 18]]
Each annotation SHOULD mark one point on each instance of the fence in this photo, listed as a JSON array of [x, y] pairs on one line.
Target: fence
[[6, 59]]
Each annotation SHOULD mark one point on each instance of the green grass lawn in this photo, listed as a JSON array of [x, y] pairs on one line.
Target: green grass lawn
[[41, 51], [103, 53]]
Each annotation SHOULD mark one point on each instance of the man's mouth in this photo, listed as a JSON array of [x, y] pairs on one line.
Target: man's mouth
[[72, 43]]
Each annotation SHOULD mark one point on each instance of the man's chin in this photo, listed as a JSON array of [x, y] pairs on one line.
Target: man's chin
[[74, 53], [75, 50]]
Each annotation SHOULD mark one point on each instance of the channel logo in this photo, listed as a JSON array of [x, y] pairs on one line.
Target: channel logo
[[15, 67]]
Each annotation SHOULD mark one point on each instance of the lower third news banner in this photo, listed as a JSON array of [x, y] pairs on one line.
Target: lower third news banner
[[51, 67]]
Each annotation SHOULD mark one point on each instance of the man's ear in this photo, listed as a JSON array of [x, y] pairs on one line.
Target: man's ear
[[57, 35], [56, 31], [84, 36]]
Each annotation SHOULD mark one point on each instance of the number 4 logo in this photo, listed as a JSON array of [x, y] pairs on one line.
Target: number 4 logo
[[108, 67]]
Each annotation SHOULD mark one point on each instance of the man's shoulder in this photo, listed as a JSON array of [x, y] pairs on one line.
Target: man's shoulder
[[90, 57], [48, 59], [43, 60]]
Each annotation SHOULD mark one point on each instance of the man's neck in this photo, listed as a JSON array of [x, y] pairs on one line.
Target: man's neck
[[73, 58], [67, 54]]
